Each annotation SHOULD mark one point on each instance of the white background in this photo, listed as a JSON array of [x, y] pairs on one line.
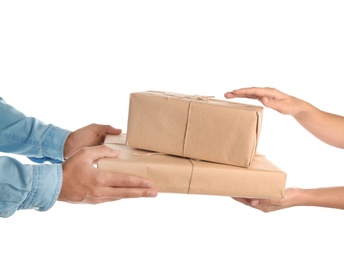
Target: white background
[[72, 63]]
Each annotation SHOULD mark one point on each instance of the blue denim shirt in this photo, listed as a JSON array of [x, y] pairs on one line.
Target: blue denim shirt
[[29, 186]]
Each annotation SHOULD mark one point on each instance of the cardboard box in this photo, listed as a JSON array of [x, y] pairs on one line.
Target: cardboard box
[[173, 174], [194, 127]]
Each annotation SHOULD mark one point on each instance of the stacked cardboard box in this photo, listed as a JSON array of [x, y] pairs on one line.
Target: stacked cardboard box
[[194, 127], [195, 145]]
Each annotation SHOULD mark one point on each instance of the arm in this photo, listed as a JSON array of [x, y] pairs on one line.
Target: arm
[[327, 127], [83, 183], [331, 197], [45, 142], [28, 136], [27, 186], [76, 180]]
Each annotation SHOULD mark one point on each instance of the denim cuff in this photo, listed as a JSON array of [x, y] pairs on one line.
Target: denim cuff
[[46, 187]]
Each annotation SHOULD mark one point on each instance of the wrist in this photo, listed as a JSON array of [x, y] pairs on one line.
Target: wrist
[[300, 197], [303, 109], [307, 197], [67, 147], [295, 197]]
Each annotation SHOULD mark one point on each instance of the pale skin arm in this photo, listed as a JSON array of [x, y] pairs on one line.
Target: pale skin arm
[[331, 197], [327, 127]]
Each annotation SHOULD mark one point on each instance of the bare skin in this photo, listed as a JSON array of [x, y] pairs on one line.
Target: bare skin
[[89, 135], [84, 183], [327, 127], [331, 197]]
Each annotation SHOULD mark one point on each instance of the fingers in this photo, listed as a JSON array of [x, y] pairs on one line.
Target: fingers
[[245, 201], [269, 97], [229, 95], [90, 135], [262, 95], [114, 179], [252, 93], [102, 130], [112, 186], [82, 182], [264, 205], [255, 93], [94, 153], [108, 129], [251, 202], [113, 194]]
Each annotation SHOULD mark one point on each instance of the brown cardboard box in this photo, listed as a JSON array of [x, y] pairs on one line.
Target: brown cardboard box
[[194, 127], [174, 174]]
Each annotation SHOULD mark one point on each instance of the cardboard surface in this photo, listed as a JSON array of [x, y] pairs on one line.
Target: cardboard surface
[[173, 174], [194, 127]]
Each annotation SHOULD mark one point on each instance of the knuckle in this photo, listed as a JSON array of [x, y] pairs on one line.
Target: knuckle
[[84, 151], [97, 194], [99, 180]]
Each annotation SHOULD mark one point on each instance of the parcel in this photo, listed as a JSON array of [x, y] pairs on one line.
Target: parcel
[[174, 174], [195, 127]]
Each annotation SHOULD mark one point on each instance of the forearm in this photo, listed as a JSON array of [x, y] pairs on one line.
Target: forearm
[[30, 137], [327, 127], [28, 186], [332, 197]]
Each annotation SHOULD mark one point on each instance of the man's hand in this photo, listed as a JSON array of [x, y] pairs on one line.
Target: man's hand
[[84, 183], [90, 135]]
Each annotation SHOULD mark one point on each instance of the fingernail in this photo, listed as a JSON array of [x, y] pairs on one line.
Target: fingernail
[[152, 194], [254, 202]]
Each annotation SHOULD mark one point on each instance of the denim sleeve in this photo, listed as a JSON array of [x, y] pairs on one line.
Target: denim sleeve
[[35, 186], [28, 186], [29, 136]]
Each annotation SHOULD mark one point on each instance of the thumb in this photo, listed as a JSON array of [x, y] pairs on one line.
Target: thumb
[[112, 130]]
